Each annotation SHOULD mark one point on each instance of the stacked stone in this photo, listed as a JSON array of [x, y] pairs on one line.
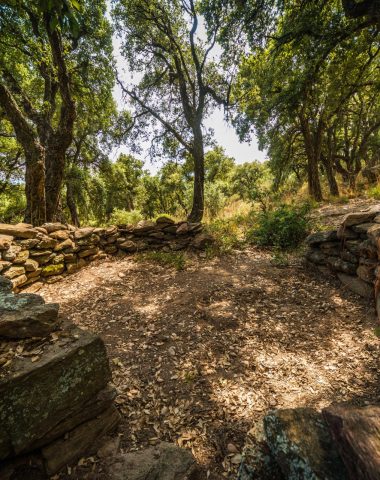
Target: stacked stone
[[339, 443], [352, 251], [46, 253], [53, 406]]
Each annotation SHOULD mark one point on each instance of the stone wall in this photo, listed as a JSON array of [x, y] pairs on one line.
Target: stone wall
[[55, 397], [352, 252], [46, 253]]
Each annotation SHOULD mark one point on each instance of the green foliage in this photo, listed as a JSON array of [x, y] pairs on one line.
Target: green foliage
[[124, 217], [12, 205], [175, 260], [285, 227], [374, 192], [228, 234]]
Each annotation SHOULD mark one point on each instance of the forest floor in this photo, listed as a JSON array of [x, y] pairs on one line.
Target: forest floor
[[198, 355]]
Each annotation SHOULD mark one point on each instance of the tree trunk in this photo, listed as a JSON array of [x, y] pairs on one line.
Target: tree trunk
[[333, 185], [71, 205], [197, 209], [35, 186], [55, 167], [313, 181]]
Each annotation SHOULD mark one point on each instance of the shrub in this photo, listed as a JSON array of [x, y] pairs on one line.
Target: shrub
[[374, 192], [124, 217], [283, 227], [228, 234]]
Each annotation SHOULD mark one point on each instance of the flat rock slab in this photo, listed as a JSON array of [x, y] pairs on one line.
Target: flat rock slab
[[162, 462], [356, 431], [301, 444], [25, 315], [35, 397], [18, 231], [321, 237]]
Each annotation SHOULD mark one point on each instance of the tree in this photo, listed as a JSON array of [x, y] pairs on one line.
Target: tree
[[45, 53], [180, 82]]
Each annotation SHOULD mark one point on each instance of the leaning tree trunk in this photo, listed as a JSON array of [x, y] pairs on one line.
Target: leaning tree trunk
[[197, 209]]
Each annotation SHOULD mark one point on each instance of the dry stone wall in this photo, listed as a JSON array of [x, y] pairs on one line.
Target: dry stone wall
[[31, 254], [56, 400], [352, 252]]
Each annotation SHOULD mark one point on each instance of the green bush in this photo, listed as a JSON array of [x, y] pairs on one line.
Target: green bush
[[374, 192], [228, 234], [285, 227], [124, 217]]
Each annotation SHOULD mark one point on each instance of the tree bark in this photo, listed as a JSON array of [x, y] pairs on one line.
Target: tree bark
[[34, 156], [197, 209], [71, 205]]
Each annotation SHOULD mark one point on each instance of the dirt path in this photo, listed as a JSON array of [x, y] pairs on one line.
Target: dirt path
[[198, 355]]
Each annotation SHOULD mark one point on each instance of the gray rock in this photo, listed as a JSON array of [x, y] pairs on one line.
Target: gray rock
[[363, 227], [88, 251], [357, 285], [360, 217], [316, 256], [202, 240], [46, 242], [164, 221], [80, 441], [128, 246], [320, 237], [14, 271], [162, 462], [26, 315], [60, 235], [5, 241], [35, 397], [301, 444]]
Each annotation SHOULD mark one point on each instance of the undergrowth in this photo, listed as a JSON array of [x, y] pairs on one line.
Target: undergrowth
[[175, 260]]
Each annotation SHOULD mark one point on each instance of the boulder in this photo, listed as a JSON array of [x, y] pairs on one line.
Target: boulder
[[202, 240], [144, 226], [68, 243], [88, 251], [28, 243], [363, 227], [13, 272], [79, 441], [30, 265], [356, 431], [163, 220], [128, 246], [19, 281], [316, 256], [36, 397], [18, 231], [182, 229], [83, 233], [301, 444], [46, 242], [52, 270], [5, 241], [10, 254], [366, 273], [53, 227], [4, 264], [357, 285], [21, 257], [165, 461], [339, 265], [26, 315], [320, 237], [357, 218], [60, 235]]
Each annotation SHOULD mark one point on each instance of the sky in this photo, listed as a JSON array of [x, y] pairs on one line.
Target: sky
[[224, 134]]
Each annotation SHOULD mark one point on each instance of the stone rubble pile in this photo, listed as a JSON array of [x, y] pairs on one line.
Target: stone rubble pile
[[352, 252], [55, 398], [28, 254], [339, 443]]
